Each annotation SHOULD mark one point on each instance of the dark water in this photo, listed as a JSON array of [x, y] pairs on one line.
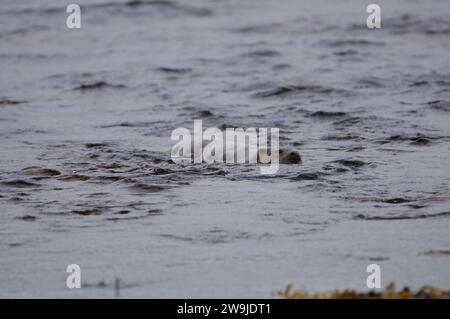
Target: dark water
[[91, 112]]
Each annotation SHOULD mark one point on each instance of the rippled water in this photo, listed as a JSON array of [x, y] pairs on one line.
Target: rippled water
[[91, 112]]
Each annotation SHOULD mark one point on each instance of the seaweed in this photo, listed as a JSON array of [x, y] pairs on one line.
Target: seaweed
[[426, 292]]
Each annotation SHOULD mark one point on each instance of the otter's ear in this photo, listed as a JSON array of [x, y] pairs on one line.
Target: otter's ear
[[280, 151]]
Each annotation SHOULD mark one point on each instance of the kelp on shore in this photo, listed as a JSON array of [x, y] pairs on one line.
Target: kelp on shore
[[426, 292]]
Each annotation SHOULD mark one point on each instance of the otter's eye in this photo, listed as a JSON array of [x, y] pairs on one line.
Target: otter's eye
[[281, 151], [293, 153]]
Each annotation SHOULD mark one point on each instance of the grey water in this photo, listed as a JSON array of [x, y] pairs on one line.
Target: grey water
[[91, 111]]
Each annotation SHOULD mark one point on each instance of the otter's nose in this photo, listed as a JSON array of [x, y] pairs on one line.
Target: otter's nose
[[295, 157]]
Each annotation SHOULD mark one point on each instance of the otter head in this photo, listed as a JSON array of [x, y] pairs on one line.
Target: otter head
[[289, 157]]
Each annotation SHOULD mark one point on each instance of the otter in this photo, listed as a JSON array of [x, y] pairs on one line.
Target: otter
[[289, 156], [286, 155], [234, 145]]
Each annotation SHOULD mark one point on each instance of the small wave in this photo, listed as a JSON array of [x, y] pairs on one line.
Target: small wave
[[440, 105], [353, 43], [98, 86], [4, 102], [402, 217], [19, 183], [287, 90]]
